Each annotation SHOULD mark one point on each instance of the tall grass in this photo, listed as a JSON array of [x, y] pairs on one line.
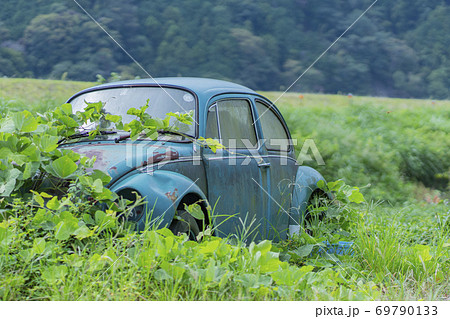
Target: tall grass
[[407, 250], [394, 147]]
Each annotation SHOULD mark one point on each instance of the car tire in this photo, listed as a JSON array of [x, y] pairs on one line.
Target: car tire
[[184, 223]]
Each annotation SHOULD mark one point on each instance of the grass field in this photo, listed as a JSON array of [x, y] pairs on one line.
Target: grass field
[[37, 94], [395, 150]]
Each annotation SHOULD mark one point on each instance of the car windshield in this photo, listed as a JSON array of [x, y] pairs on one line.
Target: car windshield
[[117, 101]]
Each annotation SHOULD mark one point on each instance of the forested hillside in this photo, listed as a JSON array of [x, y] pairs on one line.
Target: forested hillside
[[399, 48]]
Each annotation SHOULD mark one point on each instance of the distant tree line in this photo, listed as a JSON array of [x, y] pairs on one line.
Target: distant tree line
[[399, 48]]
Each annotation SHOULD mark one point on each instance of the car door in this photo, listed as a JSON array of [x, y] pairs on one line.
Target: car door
[[233, 175], [282, 170]]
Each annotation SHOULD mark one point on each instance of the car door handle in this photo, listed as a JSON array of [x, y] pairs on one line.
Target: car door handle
[[264, 164]]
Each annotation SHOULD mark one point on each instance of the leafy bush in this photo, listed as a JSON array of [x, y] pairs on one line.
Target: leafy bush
[[58, 252]]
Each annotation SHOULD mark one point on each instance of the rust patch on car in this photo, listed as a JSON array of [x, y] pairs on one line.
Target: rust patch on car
[[157, 157], [173, 196]]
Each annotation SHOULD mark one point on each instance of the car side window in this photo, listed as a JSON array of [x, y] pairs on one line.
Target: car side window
[[275, 134], [236, 123]]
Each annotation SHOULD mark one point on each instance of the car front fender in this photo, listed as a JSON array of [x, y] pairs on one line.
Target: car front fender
[[162, 191]]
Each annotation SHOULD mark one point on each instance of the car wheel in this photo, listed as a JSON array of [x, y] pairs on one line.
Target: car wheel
[[184, 223]]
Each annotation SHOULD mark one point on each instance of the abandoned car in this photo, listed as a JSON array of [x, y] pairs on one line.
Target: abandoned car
[[254, 182]]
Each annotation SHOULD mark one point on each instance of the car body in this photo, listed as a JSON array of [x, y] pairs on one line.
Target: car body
[[254, 185]]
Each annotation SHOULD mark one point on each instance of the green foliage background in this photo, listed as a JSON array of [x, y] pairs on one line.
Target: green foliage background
[[397, 49]]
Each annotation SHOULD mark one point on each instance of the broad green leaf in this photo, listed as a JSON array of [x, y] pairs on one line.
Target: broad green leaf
[[213, 144], [195, 211], [304, 251], [291, 275], [104, 220], [165, 232], [71, 154], [7, 187], [7, 125], [321, 184], [45, 195], [38, 198], [153, 135], [32, 152], [64, 166], [269, 262], [97, 174], [74, 260], [48, 143], [26, 254], [66, 108], [38, 245], [209, 247], [8, 184], [41, 215], [99, 217], [64, 229], [96, 262], [5, 152], [88, 219], [69, 217], [356, 196], [30, 170], [175, 271], [253, 280], [161, 275], [12, 142], [422, 252], [83, 232], [18, 159], [69, 122], [97, 186], [24, 121], [113, 118], [105, 194], [264, 246], [6, 237], [53, 203], [54, 274]]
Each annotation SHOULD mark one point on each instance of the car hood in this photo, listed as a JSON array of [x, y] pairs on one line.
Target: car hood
[[117, 159]]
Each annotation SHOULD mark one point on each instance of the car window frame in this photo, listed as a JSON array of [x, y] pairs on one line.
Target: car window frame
[[114, 86]]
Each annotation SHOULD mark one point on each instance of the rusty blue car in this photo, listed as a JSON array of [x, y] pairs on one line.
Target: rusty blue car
[[253, 185]]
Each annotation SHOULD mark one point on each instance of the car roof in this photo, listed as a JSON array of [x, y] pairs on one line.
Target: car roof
[[203, 87]]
